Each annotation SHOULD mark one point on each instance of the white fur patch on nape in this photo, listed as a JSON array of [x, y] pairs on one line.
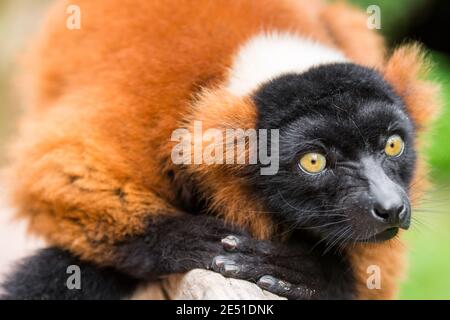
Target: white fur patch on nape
[[270, 55]]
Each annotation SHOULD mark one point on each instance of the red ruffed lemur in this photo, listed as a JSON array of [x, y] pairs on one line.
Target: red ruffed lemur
[[93, 172]]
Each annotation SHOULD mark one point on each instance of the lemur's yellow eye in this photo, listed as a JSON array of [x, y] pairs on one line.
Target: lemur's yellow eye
[[313, 163], [394, 146]]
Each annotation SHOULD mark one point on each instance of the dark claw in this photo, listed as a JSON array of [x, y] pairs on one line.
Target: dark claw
[[284, 288], [230, 269], [218, 262], [272, 284], [266, 282], [283, 285], [230, 243]]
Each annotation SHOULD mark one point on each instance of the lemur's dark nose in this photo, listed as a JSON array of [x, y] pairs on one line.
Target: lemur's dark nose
[[393, 214], [389, 204]]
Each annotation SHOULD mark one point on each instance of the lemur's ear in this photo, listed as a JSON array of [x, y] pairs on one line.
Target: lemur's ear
[[407, 70]]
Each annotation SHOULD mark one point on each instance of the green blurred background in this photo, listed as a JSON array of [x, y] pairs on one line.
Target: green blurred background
[[401, 20]]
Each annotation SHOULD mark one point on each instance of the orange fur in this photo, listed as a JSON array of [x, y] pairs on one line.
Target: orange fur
[[92, 159]]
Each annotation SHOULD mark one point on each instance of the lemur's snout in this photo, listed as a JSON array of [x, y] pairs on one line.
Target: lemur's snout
[[390, 204], [393, 214]]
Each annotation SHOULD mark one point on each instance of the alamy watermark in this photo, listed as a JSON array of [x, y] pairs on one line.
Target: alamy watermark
[[73, 21], [227, 146], [374, 19], [374, 278], [73, 282]]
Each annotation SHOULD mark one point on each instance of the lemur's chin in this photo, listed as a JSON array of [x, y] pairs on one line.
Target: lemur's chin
[[381, 237]]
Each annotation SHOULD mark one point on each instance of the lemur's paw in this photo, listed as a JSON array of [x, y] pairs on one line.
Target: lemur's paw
[[257, 261]]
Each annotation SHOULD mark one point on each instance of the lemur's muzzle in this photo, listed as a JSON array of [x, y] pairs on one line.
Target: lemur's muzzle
[[390, 207]]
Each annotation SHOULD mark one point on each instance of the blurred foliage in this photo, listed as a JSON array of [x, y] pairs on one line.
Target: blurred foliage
[[427, 242], [440, 142]]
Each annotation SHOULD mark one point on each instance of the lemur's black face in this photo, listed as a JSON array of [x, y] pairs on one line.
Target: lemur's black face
[[346, 153]]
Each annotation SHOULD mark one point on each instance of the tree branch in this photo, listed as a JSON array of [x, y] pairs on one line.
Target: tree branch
[[203, 285]]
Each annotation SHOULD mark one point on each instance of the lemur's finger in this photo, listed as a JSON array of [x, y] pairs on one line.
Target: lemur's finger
[[234, 243], [230, 243], [233, 266], [273, 284], [218, 262], [284, 288], [241, 266], [230, 269]]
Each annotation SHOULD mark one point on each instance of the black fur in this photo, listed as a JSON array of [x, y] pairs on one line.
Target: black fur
[[346, 112], [44, 276]]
